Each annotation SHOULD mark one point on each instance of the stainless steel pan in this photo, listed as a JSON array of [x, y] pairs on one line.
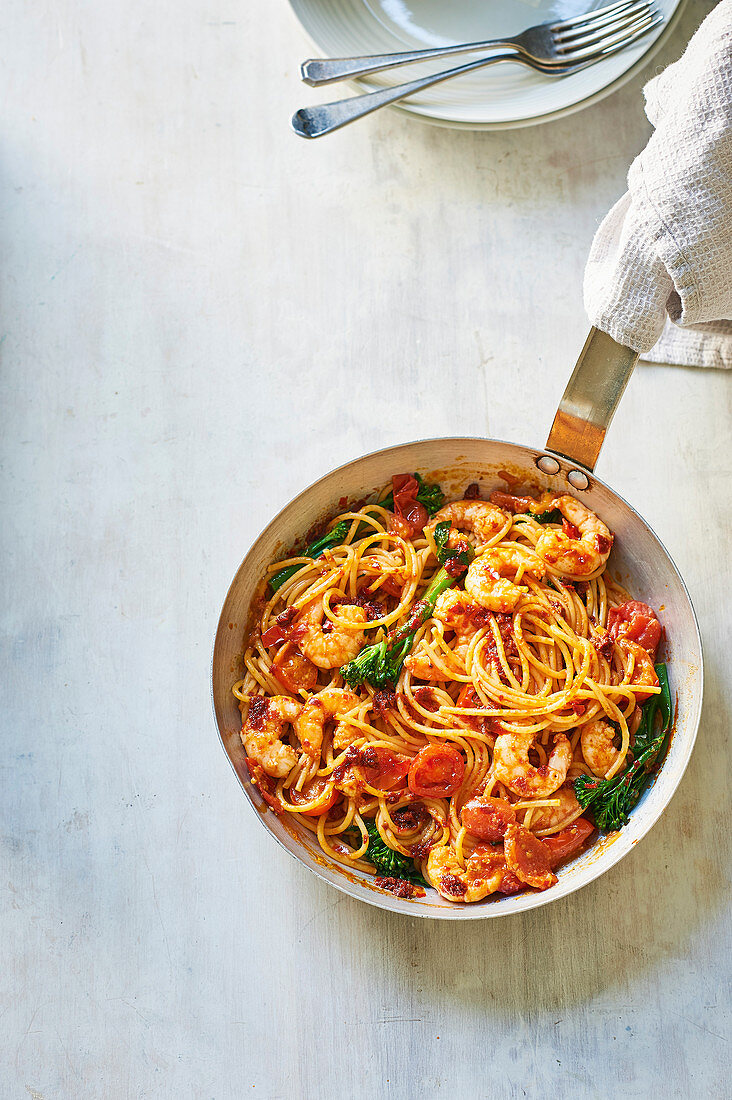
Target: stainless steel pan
[[639, 560]]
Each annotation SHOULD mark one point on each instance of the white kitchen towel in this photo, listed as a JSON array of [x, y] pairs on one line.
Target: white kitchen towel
[[659, 274]]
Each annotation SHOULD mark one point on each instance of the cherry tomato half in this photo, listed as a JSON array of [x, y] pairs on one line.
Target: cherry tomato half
[[637, 622], [315, 791], [382, 768], [488, 818], [565, 844], [436, 772], [528, 858], [294, 670], [411, 516]]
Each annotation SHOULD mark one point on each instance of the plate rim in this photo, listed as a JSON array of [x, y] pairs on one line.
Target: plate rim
[[403, 108]]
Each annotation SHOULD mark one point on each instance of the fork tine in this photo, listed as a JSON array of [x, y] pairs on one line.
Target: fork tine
[[601, 37], [622, 38], [658, 19], [583, 38], [590, 16], [614, 19]]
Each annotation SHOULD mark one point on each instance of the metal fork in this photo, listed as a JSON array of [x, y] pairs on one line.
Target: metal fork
[[577, 53], [548, 43]]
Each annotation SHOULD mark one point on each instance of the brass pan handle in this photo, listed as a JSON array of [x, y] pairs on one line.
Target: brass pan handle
[[591, 398]]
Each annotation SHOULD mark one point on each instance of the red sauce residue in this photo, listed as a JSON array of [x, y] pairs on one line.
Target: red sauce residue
[[454, 567], [372, 607], [258, 711], [505, 629], [408, 818], [354, 757], [421, 850], [603, 642], [383, 702], [570, 530], [472, 492], [400, 887], [451, 884], [604, 544], [511, 479], [425, 698]]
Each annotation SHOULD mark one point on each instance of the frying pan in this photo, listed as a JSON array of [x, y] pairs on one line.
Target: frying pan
[[638, 560]]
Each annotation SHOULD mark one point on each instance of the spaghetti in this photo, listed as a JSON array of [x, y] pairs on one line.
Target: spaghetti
[[424, 685]]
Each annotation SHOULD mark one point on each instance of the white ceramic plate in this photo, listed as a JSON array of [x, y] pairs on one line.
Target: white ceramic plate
[[501, 96]]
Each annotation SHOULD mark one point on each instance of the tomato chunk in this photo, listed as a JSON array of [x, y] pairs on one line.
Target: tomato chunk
[[316, 791], [281, 629], [436, 772], [563, 845], [382, 768], [511, 503], [294, 670], [488, 818], [637, 622], [528, 858], [411, 516]]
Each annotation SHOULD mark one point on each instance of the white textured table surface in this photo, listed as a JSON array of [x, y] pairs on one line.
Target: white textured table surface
[[202, 314]]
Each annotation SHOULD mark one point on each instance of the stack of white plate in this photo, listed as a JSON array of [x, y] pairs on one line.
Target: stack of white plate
[[499, 97]]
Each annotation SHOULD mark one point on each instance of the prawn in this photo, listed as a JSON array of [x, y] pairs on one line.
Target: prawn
[[454, 612], [263, 730], [643, 671], [583, 554], [421, 665], [475, 517], [490, 580], [310, 723], [550, 817], [338, 647], [512, 767], [597, 740], [483, 873]]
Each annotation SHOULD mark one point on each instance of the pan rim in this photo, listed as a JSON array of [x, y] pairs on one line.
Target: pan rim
[[615, 852]]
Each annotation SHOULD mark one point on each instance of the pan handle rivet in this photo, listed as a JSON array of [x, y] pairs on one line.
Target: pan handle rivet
[[578, 479], [547, 464]]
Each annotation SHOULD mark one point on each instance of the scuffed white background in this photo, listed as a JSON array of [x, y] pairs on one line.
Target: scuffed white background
[[200, 315]]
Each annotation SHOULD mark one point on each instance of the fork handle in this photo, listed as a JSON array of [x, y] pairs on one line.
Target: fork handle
[[319, 71], [313, 122]]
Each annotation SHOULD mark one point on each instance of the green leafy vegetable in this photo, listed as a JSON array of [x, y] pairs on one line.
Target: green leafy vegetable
[[314, 550], [431, 496], [388, 863], [380, 664], [552, 516], [611, 800], [441, 535]]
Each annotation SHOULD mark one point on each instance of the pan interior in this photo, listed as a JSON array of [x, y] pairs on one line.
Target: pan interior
[[638, 561]]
